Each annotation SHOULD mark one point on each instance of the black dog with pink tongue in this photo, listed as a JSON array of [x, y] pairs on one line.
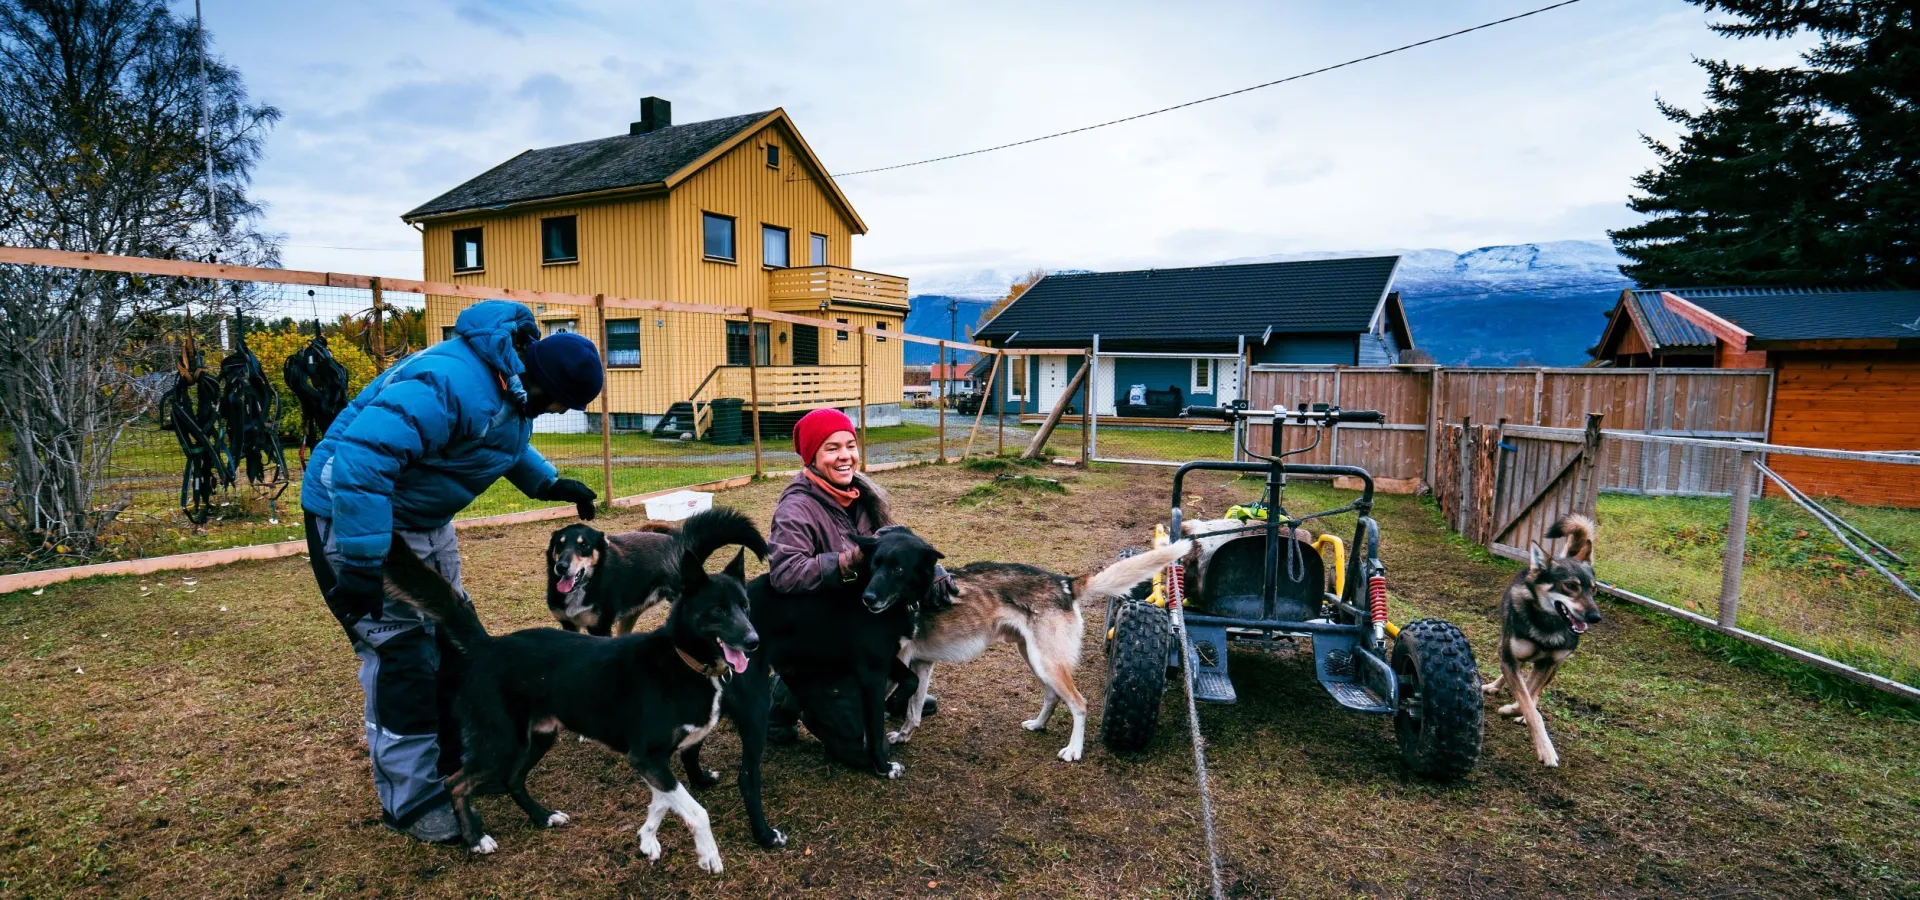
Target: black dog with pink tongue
[[646, 696]]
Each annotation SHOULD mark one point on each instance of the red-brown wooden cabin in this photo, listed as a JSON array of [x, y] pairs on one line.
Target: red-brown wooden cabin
[[1846, 365]]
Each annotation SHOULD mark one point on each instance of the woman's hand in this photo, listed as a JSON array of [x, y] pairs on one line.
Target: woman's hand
[[850, 562]]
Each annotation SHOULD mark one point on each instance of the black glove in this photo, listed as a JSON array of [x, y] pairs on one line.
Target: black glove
[[573, 492], [357, 594], [941, 594]]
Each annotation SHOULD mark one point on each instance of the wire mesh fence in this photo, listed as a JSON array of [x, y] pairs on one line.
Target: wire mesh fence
[[694, 396], [1138, 404]]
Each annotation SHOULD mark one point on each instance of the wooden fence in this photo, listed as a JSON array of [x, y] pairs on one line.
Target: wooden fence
[[1726, 404]]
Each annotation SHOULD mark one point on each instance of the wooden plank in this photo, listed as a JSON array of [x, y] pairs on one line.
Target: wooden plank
[[986, 395], [1053, 418]]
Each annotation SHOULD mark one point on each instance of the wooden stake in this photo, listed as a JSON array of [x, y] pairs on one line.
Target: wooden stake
[[985, 395], [606, 404], [1086, 410], [1053, 418], [862, 332], [753, 389], [378, 340], [941, 402], [1000, 416]]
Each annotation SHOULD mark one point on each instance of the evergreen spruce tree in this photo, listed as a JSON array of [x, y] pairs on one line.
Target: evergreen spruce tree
[[1799, 175]]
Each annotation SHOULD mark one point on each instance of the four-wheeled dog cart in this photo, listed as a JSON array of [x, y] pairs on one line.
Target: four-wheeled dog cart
[[1261, 583]]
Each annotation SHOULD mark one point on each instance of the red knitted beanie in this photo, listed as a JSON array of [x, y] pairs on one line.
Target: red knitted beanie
[[814, 428]]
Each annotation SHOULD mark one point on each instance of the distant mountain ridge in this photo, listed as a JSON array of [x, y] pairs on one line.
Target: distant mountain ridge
[[1506, 304]]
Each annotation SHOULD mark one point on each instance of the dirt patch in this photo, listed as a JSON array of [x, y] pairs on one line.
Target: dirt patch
[[194, 739]]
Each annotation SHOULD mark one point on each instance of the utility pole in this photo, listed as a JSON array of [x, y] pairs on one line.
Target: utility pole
[[953, 321]]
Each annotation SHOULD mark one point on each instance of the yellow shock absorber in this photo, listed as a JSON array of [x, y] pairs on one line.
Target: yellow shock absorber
[[1321, 544], [1159, 595]]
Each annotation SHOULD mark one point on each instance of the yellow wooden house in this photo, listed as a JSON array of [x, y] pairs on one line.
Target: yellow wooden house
[[727, 212]]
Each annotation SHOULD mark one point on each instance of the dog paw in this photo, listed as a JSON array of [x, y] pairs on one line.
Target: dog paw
[[777, 840], [1070, 753], [710, 862], [485, 845], [1510, 709], [1549, 758], [650, 845], [894, 770], [1034, 725], [1519, 720], [557, 818], [898, 737], [1490, 688], [704, 778]]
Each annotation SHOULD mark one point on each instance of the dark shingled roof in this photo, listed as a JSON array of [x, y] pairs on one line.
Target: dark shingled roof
[[1204, 304], [615, 162], [1809, 314]]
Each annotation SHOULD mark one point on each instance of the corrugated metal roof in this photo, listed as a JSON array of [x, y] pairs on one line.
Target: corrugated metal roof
[[1810, 314], [1203, 304], [1664, 328], [626, 160]]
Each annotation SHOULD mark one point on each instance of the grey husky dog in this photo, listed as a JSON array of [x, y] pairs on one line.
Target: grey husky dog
[[1543, 613]]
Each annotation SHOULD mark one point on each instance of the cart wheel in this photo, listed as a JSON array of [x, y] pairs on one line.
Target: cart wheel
[[1136, 675], [1440, 707]]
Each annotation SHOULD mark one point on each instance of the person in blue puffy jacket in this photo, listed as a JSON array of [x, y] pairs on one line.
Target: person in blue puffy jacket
[[409, 453]]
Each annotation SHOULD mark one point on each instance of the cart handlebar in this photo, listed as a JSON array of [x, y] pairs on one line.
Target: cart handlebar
[[1318, 414]]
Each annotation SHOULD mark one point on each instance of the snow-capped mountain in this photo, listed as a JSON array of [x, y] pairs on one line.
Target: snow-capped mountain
[[1512, 303]]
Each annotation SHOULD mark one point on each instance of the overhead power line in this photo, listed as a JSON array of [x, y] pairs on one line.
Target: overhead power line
[[1279, 81]]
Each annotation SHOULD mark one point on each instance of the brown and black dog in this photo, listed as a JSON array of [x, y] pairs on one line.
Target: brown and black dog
[[1543, 613], [600, 583]]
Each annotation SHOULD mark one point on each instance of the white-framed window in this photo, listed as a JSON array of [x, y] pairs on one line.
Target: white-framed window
[[817, 253], [1202, 376], [623, 343], [841, 334], [1017, 378]]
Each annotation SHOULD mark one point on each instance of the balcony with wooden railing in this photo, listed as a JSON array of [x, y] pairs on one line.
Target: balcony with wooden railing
[[790, 388], [813, 289]]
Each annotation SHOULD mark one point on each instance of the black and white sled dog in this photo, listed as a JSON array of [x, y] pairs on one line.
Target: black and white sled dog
[[1033, 609], [1543, 613], [600, 583], [646, 696]]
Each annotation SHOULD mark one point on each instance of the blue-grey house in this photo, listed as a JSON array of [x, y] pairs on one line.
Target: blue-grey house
[[1178, 332]]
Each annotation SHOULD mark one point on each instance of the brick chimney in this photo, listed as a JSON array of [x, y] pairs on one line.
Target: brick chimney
[[655, 114]]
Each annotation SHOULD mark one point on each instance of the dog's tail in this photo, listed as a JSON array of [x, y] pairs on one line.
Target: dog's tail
[[413, 582], [709, 530], [1123, 575], [1578, 530]]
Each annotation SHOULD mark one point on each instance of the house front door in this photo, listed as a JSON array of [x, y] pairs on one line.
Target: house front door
[[806, 345], [1227, 371], [1053, 381]]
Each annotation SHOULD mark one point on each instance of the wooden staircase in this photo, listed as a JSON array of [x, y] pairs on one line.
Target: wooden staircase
[[679, 420]]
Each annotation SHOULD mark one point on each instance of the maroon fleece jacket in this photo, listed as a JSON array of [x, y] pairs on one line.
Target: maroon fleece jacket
[[810, 528]]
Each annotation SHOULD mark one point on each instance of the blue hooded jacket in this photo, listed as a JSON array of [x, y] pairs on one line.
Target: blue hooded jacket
[[427, 436]]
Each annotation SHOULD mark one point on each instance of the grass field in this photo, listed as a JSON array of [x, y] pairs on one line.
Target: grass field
[[1799, 585], [201, 736], [1162, 444]]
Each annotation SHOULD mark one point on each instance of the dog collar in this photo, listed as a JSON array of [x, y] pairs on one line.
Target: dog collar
[[718, 669]]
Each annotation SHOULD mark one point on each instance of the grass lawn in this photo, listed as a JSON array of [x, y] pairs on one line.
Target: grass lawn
[[1163, 444], [201, 736], [1800, 585]]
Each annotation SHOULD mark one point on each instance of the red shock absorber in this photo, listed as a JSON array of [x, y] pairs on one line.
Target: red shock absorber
[[1377, 596], [1176, 586]]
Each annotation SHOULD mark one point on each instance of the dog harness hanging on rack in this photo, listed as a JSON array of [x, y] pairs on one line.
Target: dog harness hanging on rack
[[319, 383], [192, 410], [252, 409]]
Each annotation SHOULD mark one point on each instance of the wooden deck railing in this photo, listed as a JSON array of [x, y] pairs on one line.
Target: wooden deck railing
[[784, 388], [806, 288]]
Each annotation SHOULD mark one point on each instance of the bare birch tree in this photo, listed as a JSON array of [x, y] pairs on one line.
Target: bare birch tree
[[103, 149]]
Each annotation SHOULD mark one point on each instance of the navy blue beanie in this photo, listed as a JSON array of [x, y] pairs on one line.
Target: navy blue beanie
[[567, 367]]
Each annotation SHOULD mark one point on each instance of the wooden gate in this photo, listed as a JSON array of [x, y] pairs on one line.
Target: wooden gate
[[1502, 487]]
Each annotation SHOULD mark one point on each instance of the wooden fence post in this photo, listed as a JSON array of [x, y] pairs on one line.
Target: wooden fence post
[[1000, 413], [985, 395], [606, 405], [862, 332], [378, 339], [753, 393], [1465, 475], [940, 400], [1736, 552]]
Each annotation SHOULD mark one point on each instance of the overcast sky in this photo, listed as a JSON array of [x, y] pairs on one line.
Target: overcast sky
[[1525, 132]]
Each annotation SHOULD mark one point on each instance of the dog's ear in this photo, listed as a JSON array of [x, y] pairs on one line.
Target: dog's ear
[[893, 528], [600, 544], [866, 544], [937, 555], [738, 568], [1536, 559]]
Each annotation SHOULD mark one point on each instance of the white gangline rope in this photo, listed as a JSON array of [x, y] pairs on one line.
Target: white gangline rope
[[1191, 663]]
